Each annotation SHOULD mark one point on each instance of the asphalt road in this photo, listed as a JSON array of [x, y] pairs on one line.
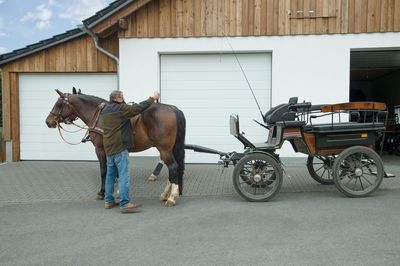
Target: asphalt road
[[303, 228]]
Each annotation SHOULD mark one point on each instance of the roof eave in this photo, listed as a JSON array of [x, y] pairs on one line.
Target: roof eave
[[41, 48]]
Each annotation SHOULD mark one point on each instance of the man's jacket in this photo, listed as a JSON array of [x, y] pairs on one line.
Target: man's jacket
[[118, 134]]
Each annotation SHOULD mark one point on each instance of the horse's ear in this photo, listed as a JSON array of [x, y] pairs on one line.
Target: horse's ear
[[79, 91], [62, 95], [73, 90]]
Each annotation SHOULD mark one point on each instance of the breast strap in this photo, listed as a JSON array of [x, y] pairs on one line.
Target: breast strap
[[94, 127]]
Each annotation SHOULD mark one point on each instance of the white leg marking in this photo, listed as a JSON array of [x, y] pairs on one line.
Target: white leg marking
[[153, 177], [174, 195], [164, 196]]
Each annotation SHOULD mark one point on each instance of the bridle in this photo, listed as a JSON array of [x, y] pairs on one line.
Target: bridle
[[65, 103], [58, 115]]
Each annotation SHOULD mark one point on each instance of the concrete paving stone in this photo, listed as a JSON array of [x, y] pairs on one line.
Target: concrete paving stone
[[37, 181]]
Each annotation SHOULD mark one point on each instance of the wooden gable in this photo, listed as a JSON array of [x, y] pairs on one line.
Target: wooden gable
[[197, 18]]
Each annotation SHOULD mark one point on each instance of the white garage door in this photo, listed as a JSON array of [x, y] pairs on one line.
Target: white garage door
[[36, 99], [210, 87]]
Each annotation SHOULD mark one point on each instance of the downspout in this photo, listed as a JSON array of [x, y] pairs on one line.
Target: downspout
[[85, 28]]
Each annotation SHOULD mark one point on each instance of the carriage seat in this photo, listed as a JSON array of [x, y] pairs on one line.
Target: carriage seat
[[343, 127], [296, 123], [281, 112]]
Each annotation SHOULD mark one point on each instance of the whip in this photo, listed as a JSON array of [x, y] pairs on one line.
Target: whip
[[244, 74]]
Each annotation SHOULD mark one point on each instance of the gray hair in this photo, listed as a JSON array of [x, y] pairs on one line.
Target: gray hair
[[114, 94]]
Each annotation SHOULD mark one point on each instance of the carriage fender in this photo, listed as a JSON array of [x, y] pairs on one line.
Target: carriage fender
[[272, 155]]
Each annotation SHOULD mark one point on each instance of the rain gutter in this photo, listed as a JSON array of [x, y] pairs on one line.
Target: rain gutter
[[86, 29]]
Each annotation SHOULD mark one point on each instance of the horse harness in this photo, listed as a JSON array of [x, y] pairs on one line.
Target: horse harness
[[94, 127]]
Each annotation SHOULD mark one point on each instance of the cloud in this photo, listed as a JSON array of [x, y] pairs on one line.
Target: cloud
[[43, 24], [44, 14], [41, 16], [3, 49], [1, 1], [78, 10], [2, 34], [27, 16]]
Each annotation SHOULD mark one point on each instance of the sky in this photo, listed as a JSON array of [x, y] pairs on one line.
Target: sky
[[25, 22]]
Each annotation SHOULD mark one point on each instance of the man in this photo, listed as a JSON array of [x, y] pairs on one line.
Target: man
[[117, 139]]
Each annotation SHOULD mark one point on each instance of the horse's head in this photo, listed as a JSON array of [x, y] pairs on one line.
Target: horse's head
[[61, 112]]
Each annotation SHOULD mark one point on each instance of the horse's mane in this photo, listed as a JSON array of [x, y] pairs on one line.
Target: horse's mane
[[90, 98]]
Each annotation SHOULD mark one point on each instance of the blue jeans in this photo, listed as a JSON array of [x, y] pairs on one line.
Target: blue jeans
[[118, 163]]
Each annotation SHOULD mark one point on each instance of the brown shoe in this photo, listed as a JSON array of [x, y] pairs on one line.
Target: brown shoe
[[130, 207], [110, 205]]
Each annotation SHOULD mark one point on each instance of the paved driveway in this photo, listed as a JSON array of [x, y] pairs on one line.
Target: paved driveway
[[48, 216], [36, 181]]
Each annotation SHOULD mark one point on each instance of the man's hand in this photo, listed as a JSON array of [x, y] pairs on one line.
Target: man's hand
[[156, 96]]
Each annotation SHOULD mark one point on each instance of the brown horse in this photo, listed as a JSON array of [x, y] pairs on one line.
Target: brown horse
[[161, 126]]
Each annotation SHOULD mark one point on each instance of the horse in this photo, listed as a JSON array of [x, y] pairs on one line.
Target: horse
[[161, 126]]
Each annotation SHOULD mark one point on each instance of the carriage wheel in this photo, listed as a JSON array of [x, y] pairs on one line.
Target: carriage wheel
[[257, 177], [358, 171], [320, 168]]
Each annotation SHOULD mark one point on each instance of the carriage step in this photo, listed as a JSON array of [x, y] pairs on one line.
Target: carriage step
[[388, 175], [385, 174]]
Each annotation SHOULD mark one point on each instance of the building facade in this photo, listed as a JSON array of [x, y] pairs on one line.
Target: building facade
[[205, 57]]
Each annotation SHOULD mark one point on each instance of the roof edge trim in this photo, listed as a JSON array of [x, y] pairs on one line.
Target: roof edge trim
[[108, 14]]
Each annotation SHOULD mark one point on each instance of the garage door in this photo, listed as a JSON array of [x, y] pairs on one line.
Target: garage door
[[37, 97], [210, 87]]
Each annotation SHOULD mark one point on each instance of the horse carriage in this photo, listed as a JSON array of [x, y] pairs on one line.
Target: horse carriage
[[340, 150]]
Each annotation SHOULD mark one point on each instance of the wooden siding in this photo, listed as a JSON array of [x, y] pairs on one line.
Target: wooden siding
[[75, 56], [195, 18]]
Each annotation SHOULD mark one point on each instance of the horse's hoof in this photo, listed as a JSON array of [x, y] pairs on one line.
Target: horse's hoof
[[163, 197], [170, 203], [99, 197], [153, 177]]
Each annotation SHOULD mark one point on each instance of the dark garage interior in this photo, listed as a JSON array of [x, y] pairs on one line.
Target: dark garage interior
[[375, 76]]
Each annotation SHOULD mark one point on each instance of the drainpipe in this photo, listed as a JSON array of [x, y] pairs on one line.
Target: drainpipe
[[85, 28]]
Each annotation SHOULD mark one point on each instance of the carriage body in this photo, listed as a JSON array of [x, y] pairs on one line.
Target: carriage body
[[339, 140]]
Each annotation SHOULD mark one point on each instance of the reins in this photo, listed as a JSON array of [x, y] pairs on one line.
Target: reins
[[73, 131], [62, 137]]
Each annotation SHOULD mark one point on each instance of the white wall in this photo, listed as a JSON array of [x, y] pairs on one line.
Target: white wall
[[315, 68]]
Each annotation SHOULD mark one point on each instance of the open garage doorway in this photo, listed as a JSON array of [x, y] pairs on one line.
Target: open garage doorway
[[375, 76]]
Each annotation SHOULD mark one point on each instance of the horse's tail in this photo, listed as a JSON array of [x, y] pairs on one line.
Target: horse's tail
[[179, 147]]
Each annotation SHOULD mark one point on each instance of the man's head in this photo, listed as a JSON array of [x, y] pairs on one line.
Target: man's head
[[117, 96]]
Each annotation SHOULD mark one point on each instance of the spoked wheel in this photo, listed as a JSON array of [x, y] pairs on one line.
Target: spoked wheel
[[358, 171], [320, 168], [257, 177]]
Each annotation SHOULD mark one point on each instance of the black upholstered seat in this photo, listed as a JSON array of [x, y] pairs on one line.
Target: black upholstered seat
[[343, 127], [296, 123]]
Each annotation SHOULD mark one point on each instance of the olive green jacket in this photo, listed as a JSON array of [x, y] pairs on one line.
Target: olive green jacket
[[118, 133]]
